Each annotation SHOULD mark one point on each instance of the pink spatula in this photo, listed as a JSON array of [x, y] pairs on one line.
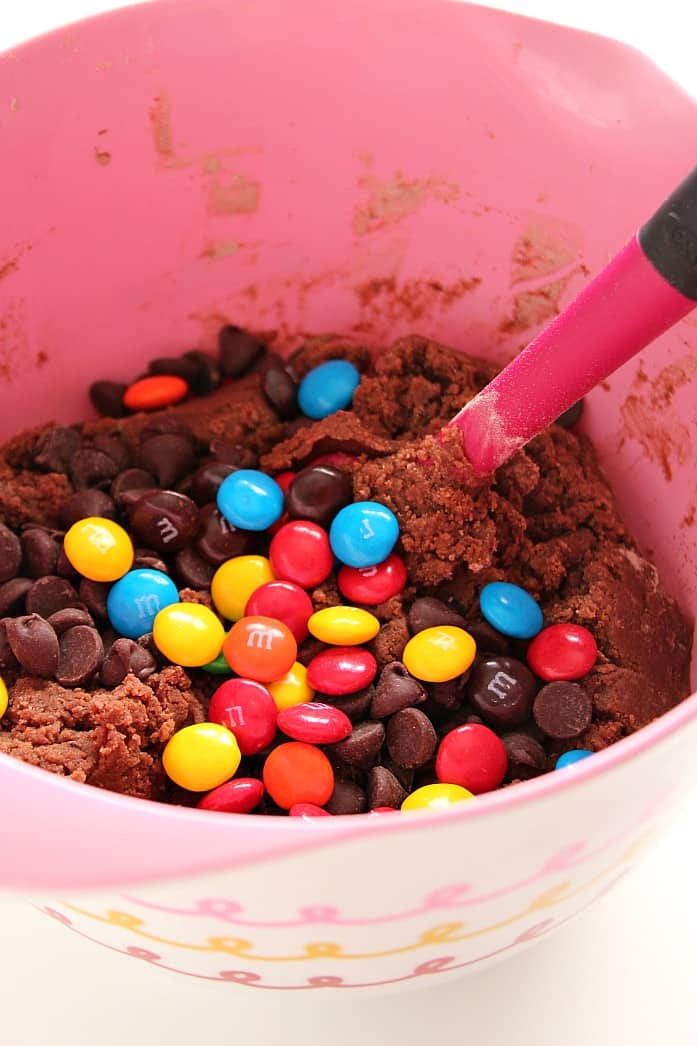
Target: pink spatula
[[646, 288]]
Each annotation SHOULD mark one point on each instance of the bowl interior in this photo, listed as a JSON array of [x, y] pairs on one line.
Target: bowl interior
[[408, 165]]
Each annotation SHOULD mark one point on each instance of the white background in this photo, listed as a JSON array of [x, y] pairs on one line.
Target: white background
[[622, 973]]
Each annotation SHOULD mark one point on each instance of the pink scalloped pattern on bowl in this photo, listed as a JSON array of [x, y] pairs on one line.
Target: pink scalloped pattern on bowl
[[249, 979]]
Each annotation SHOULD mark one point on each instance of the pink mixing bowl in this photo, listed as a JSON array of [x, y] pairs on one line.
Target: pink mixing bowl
[[391, 166]]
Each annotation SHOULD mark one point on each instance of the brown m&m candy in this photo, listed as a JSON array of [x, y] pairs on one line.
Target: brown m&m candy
[[501, 690]]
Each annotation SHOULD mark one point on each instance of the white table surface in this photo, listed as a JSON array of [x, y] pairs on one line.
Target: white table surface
[[621, 973]]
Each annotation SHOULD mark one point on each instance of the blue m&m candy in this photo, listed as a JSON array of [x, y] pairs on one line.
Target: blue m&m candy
[[137, 598], [569, 758], [250, 499], [363, 534], [510, 609], [328, 388]]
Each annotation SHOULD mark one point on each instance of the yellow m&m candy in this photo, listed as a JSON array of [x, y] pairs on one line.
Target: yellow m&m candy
[[188, 634], [235, 581], [99, 549], [292, 689], [201, 757], [343, 626], [4, 698], [439, 654], [435, 797]]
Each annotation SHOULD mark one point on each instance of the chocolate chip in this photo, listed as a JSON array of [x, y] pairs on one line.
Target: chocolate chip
[[411, 739], [64, 567], [114, 446], [395, 689], [571, 416], [49, 594], [41, 548], [147, 642], [34, 644], [501, 690], [317, 493], [279, 386], [206, 480], [55, 447], [7, 658], [362, 747], [488, 640], [162, 423], [126, 656], [238, 350], [93, 594], [84, 503], [178, 366], [80, 654], [450, 694], [168, 456], [217, 540], [208, 372], [184, 486], [130, 480], [233, 454], [303, 422], [148, 559], [193, 570], [526, 756], [130, 498], [563, 710], [355, 706], [92, 468], [384, 789], [308, 649], [69, 617], [107, 398], [428, 612], [109, 636], [10, 553], [404, 776], [12, 595], [347, 798], [164, 520]]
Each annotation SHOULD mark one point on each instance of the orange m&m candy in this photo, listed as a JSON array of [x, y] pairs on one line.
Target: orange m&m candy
[[260, 648], [161, 390], [296, 772]]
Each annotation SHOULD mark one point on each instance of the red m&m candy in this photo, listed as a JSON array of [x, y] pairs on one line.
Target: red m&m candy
[[248, 710], [373, 585], [342, 670], [260, 648], [307, 810], [301, 552], [562, 652], [234, 797], [285, 601], [315, 723], [473, 757], [298, 773], [284, 479]]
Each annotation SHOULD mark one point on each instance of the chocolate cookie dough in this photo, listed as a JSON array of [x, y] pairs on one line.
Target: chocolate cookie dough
[[88, 704]]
